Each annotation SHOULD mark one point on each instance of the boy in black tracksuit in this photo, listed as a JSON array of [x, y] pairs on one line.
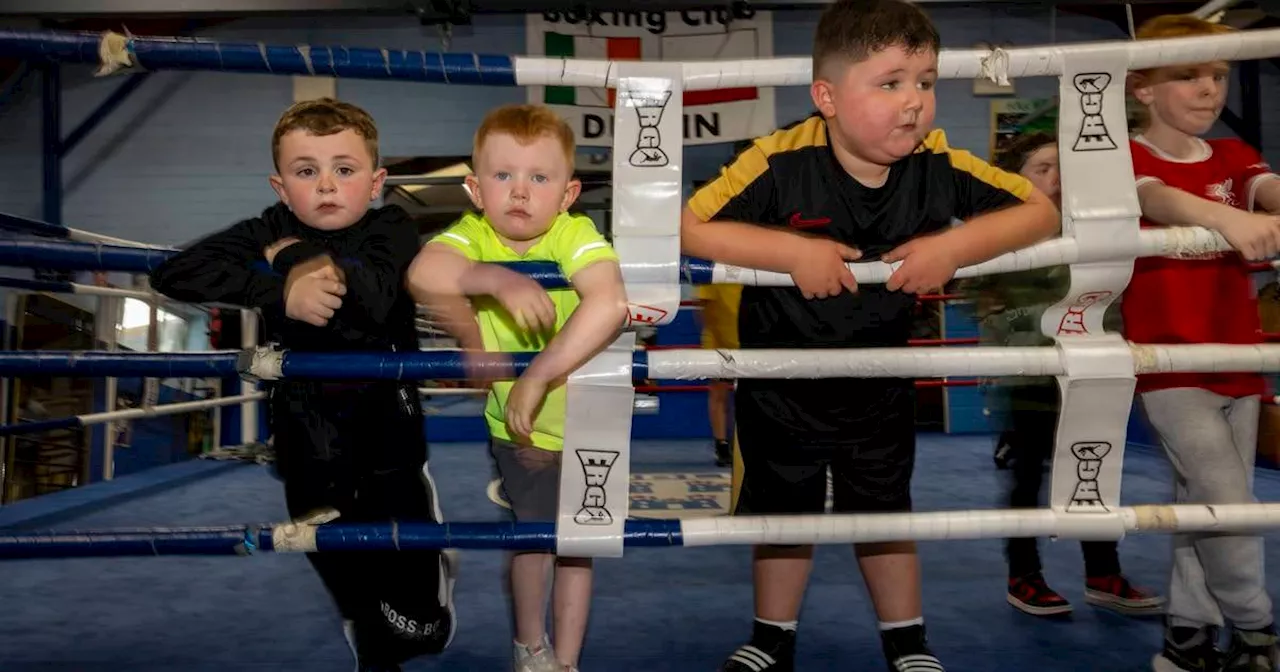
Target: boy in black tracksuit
[[327, 273]]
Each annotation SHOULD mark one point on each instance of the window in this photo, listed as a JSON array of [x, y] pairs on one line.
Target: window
[[132, 333]]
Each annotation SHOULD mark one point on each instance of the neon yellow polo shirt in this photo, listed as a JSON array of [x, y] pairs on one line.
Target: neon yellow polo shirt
[[572, 242]]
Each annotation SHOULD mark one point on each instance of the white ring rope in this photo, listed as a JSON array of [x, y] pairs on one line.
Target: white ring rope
[[1037, 61], [978, 524], [1171, 242], [944, 362]]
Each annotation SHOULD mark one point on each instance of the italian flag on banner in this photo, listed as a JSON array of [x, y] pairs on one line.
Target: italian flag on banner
[[708, 117], [559, 45]]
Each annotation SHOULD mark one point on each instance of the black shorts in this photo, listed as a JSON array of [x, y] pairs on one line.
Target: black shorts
[[530, 480], [871, 461]]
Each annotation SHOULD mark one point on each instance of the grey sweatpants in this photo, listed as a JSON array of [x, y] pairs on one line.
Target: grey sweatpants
[[1211, 441]]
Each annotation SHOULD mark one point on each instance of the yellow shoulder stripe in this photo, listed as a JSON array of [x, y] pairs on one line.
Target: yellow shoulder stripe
[[754, 162], [961, 160]]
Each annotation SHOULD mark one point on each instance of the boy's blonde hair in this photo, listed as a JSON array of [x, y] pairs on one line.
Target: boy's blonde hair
[[325, 116], [1179, 25], [526, 123], [1168, 26]]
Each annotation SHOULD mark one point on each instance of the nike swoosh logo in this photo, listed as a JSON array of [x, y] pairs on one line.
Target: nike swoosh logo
[[798, 222]]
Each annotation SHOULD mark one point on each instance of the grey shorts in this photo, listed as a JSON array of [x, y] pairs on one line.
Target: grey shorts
[[530, 480]]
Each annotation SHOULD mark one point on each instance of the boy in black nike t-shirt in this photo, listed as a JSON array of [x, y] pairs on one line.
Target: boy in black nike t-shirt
[[866, 177]]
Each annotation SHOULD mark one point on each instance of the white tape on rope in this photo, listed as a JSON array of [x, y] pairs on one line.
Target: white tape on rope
[[648, 152], [595, 468], [957, 361], [1100, 212], [989, 524]]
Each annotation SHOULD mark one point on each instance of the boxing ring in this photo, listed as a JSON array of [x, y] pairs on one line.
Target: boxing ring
[[1095, 371]]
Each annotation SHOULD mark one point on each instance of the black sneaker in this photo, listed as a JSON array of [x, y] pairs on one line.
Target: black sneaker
[[750, 658], [771, 649], [1252, 651], [362, 663], [907, 650], [1189, 650], [1030, 594], [916, 662]]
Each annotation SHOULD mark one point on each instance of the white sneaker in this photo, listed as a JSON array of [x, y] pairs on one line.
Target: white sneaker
[[538, 658], [449, 564], [349, 633]]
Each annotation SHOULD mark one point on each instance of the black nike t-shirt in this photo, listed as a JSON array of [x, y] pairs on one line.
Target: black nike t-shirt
[[791, 180]]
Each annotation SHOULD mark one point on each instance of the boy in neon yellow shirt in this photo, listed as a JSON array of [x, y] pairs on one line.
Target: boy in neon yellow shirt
[[523, 184]]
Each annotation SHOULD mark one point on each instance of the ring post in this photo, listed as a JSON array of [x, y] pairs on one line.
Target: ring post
[[249, 409]]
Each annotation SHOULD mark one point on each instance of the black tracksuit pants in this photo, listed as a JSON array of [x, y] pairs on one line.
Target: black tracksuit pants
[[1030, 438], [360, 448]]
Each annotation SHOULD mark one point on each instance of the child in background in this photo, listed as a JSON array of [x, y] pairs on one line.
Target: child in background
[[1009, 307], [1206, 422]]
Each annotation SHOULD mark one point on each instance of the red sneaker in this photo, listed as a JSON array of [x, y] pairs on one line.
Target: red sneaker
[[1117, 594], [1032, 595]]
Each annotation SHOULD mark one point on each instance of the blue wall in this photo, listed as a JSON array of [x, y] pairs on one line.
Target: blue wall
[[966, 406], [151, 442]]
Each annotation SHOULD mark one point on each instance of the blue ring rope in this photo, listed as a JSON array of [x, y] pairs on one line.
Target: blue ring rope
[[247, 539], [62, 255], [180, 53], [418, 365]]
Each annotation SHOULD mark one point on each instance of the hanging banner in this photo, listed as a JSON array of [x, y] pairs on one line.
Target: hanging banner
[[721, 115]]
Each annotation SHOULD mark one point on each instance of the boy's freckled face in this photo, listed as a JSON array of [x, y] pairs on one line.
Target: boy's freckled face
[[521, 186], [1188, 98], [327, 181]]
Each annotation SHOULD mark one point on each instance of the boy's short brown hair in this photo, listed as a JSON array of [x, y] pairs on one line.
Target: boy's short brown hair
[[526, 123], [325, 116], [852, 30]]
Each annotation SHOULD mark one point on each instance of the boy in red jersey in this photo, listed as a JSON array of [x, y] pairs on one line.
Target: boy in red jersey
[[1207, 423]]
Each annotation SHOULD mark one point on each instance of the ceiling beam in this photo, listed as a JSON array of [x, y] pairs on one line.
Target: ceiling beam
[[55, 9]]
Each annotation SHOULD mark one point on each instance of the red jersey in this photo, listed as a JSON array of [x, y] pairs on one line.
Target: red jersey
[[1197, 299]]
